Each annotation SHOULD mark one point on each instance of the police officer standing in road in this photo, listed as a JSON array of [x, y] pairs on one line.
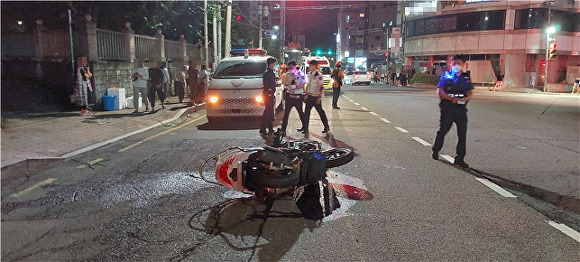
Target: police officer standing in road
[[337, 77], [293, 82], [455, 90], [314, 93], [269, 85]]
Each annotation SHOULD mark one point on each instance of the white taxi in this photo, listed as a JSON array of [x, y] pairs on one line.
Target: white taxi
[[236, 86]]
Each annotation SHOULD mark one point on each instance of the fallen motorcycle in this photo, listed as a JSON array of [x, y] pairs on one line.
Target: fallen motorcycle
[[272, 171]]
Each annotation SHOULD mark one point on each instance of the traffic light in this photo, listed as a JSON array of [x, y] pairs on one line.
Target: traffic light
[[239, 17], [318, 52], [552, 50], [329, 51]]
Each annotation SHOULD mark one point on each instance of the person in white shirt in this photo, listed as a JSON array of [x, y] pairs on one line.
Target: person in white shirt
[[140, 77], [294, 87], [166, 79], [314, 94]]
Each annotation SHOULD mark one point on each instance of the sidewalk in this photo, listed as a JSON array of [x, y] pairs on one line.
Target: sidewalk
[[57, 135]]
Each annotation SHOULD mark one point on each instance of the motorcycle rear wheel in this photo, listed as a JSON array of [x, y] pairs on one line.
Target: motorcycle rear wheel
[[338, 156]]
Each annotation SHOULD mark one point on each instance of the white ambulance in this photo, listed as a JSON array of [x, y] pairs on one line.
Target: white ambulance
[[236, 86], [323, 66]]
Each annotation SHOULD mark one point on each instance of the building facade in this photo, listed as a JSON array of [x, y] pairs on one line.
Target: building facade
[[505, 39]]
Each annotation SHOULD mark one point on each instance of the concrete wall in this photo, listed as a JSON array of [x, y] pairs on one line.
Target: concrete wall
[[109, 74], [514, 71]]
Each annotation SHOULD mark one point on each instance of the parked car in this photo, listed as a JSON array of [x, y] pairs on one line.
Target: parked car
[[236, 86], [361, 77]]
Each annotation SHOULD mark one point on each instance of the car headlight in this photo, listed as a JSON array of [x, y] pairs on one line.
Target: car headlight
[[259, 99], [213, 99]]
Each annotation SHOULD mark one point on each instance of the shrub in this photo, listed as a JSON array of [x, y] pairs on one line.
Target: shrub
[[424, 78]]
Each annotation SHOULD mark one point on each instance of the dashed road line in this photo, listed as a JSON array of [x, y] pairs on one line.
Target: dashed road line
[[364, 108], [37, 185], [566, 230], [385, 120], [448, 158], [373, 113], [496, 188], [357, 104], [402, 130], [423, 142]]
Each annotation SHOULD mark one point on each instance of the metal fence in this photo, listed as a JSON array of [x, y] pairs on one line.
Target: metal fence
[[172, 50], [190, 49], [145, 47], [111, 45]]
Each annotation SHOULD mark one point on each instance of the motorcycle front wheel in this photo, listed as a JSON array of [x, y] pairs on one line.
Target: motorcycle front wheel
[[338, 156]]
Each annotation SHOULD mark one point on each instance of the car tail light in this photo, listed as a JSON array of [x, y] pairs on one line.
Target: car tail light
[[223, 171]]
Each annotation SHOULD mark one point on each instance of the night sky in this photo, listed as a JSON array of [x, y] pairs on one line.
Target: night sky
[[319, 26]]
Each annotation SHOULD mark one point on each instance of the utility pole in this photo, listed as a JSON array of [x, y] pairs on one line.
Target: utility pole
[[219, 35], [283, 29], [260, 31], [215, 42], [547, 46], [205, 32], [228, 44]]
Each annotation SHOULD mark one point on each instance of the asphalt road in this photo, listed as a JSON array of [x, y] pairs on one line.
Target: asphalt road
[[142, 198]]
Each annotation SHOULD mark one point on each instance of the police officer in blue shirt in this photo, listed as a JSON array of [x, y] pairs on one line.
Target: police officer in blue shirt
[[455, 90]]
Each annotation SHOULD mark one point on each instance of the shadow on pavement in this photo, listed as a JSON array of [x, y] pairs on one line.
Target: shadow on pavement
[[566, 202], [246, 123]]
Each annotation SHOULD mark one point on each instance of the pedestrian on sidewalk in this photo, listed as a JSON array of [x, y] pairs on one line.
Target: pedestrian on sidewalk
[[84, 91], [314, 95], [337, 77], [166, 79], [455, 90], [269, 84], [293, 82], [179, 85], [140, 77], [156, 86], [193, 81], [203, 82]]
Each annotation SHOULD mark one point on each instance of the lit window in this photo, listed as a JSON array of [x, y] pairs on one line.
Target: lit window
[[361, 15], [348, 18]]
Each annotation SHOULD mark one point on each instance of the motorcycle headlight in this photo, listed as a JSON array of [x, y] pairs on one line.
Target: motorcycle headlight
[[259, 99], [213, 99]]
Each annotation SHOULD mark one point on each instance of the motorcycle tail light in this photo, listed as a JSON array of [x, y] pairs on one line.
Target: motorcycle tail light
[[223, 171]]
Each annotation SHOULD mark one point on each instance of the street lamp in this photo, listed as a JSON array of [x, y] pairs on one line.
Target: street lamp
[[549, 30]]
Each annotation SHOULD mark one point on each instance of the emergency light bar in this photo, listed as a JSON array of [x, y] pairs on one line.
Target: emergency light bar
[[248, 52]]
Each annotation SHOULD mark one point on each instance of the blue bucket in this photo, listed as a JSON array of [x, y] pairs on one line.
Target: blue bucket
[[109, 103]]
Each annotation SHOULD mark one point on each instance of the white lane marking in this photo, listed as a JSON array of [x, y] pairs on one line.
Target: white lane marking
[[364, 108], [402, 129], [448, 158], [373, 113], [346, 97], [423, 142], [566, 230], [357, 104], [495, 187], [39, 184], [385, 120]]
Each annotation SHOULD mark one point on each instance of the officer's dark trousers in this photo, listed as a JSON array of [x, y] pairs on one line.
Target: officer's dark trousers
[[193, 88], [268, 115], [152, 91], [335, 95], [310, 103], [452, 113], [179, 89], [289, 104]]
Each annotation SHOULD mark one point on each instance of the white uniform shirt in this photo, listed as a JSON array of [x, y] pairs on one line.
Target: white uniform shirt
[[299, 80], [141, 82], [315, 82]]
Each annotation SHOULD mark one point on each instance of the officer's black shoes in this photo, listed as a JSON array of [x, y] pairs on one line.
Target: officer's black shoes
[[302, 130], [435, 155], [325, 131], [262, 132], [335, 107], [460, 163]]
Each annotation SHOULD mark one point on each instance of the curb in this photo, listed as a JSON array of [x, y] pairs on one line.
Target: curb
[[18, 166]]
